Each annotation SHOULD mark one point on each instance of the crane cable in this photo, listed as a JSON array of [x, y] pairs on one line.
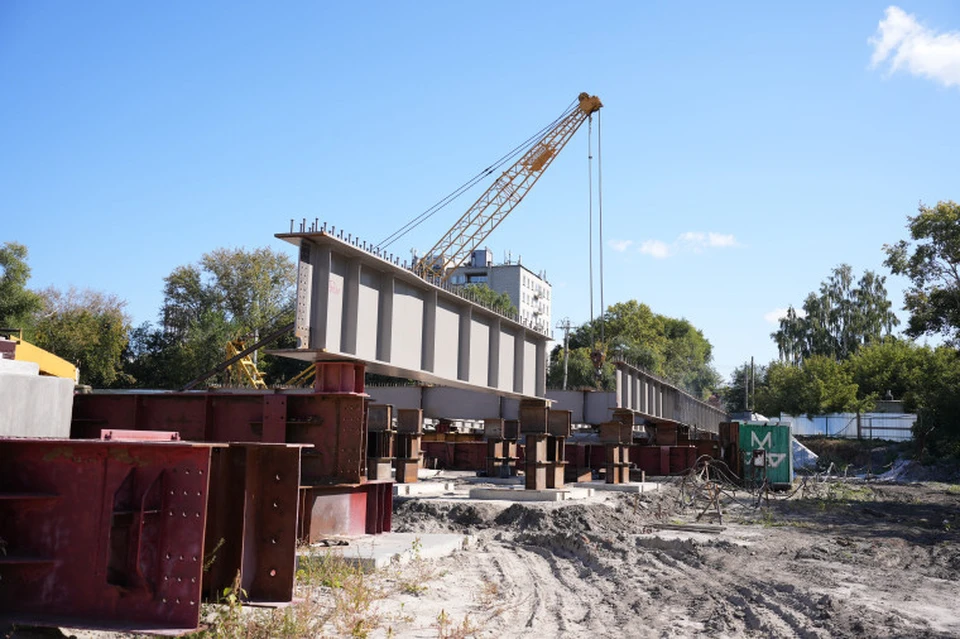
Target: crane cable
[[603, 309], [590, 212], [600, 218], [521, 148]]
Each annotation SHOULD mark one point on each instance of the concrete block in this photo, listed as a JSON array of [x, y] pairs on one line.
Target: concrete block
[[423, 489], [523, 494], [631, 487], [34, 405], [14, 367], [372, 552]]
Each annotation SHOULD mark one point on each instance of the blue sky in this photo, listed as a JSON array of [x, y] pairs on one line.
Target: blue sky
[[748, 147]]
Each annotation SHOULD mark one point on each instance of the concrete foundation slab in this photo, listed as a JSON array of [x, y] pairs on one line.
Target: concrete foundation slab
[[372, 552], [496, 481], [523, 494], [631, 487], [423, 489]]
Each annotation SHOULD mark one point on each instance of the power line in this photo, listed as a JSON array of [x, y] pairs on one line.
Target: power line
[[469, 184]]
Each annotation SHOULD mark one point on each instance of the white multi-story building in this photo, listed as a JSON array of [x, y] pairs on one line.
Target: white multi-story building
[[530, 292]]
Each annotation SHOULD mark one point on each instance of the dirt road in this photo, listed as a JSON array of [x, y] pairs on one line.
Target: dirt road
[[839, 558], [845, 559]]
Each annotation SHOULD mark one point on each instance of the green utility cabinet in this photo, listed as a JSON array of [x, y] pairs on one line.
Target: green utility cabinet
[[776, 440]]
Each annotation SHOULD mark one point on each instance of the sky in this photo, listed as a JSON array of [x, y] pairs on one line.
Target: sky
[[746, 148]]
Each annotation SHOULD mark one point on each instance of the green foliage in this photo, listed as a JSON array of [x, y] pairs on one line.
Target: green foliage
[[938, 395], [17, 304], [893, 366], [580, 371], [926, 379], [157, 359], [836, 391], [229, 293], [251, 287], [88, 328], [820, 385], [247, 289], [483, 294], [735, 393], [665, 346], [839, 321], [932, 262]]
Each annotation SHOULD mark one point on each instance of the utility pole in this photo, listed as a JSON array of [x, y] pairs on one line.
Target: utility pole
[[746, 388], [565, 325]]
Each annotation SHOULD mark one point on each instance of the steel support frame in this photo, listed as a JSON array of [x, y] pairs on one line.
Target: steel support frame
[[407, 458], [103, 534], [252, 521], [333, 422]]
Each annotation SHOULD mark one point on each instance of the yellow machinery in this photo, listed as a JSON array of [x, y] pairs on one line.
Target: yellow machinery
[[244, 370], [503, 195], [11, 341], [303, 378]]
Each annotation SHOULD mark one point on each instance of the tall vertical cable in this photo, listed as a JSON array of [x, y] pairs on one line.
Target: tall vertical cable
[[590, 190], [603, 309]]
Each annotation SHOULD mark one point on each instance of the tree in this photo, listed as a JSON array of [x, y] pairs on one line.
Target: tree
[[820, 385], [632, 332], [486, 296], [17, 304], [838, 321], [88, 328], [893, 366], [255, 287], [938, 398], [228, 294], [741, 385], [686, 358], [249, 289], [581, 372], [932, 263]]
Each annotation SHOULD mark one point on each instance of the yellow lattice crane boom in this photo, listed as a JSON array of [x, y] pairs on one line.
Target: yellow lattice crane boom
[[244, 371], [503, 195]]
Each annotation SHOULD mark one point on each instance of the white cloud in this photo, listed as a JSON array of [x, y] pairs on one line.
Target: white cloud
[[656, 248], [906, 45], [620, 245], [688, 242], [720, 240], [774, 316]]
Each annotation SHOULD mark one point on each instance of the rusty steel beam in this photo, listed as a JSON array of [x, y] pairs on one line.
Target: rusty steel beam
[[252, 527], [102, 534], [332, 423]]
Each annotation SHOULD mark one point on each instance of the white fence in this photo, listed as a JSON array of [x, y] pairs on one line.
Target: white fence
[[891, 426]]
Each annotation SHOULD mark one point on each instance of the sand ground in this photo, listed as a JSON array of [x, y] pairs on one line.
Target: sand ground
[[837, 558]]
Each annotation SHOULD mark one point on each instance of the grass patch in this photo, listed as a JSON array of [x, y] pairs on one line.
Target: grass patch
[[412, 578], [448, 628], [229, 619], [336, 597], [846, 492]]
